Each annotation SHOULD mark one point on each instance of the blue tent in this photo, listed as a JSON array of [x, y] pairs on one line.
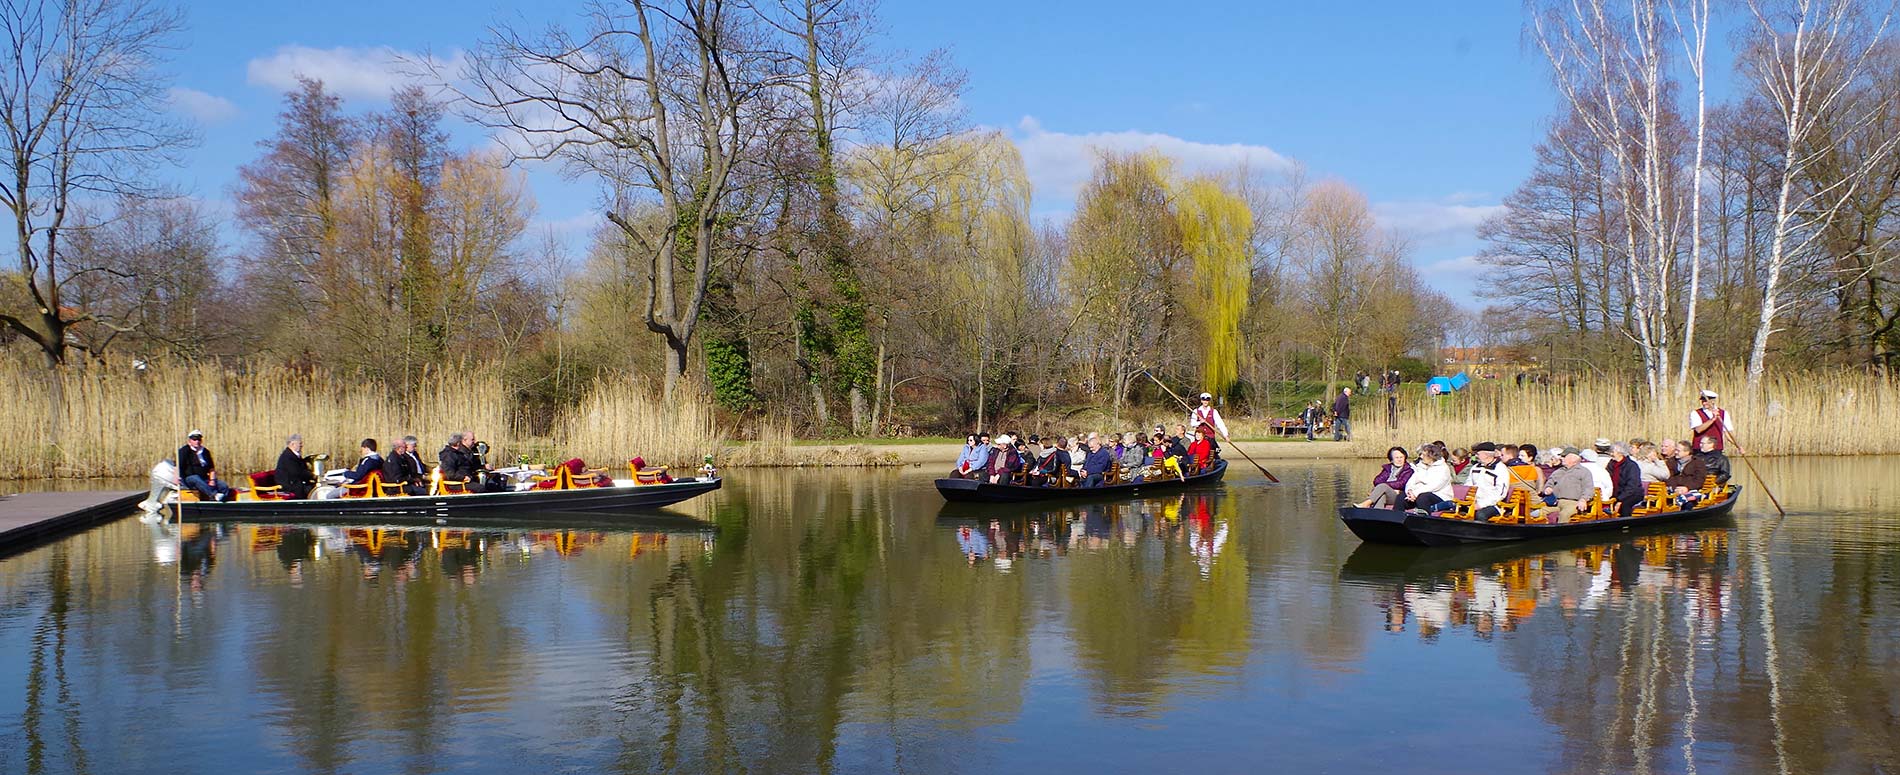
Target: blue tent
[[1439, 386]]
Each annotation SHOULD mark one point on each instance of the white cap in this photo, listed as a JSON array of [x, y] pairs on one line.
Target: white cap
[[1207, 396], [195, 433], [1710, 394], [1602, 442], [1588, 455], [1005, 440]]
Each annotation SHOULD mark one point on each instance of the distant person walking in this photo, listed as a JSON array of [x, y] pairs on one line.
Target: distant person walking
[[1342, 415], [1709, 421], [1311, 417]]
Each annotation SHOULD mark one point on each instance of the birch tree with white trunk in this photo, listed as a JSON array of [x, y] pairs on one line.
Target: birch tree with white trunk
[[1609, 63], [1805, 58]]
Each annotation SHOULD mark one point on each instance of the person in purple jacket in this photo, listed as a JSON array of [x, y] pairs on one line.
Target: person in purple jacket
[[1388, 488]]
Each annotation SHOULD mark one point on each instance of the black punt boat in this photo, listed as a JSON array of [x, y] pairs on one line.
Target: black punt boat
[[972, 491], [523, 505], [1391, 526]]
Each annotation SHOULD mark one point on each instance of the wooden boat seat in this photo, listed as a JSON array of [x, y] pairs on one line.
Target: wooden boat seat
[[264, 487], [1656, 498], [370, 487], [1466, 505], [637, 468], [188, 496], [451, 487], [1514, 509]]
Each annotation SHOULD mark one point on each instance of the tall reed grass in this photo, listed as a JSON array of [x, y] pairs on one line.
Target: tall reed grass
[[118, 420], [620, 419], [1811, 413]]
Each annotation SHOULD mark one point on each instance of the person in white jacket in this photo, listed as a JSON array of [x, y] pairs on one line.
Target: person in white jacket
[[1431, 480], [1490, 480], [1599, 472]]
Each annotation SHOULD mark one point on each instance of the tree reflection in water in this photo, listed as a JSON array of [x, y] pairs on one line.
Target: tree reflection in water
[[851, 621]]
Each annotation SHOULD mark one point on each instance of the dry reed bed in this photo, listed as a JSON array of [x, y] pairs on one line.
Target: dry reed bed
[[1812, 413], [118, 421]]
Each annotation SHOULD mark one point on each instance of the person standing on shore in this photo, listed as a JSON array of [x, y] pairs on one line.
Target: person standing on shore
[[1709, 420], [1342, 415]]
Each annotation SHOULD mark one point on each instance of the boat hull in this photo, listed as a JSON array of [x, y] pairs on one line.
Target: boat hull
[[1389, 526], [521, 505], [972, 491]]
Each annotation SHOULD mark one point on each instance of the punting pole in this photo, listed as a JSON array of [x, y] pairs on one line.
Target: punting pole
[[1223, 437], [1752, 471]]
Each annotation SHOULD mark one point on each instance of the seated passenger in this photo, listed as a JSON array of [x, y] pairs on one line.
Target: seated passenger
[[1599, 472], [1626, 481], [1567, 489], [1687, 482], [370, 462], [1460, 461], [1430, 483], [1489, 481], [1714, 459], [292, 473], [1095, 463], [1201, 450], [197, 471], [1132, 458], [1004, 461], [1388, 487], [965, 459], [1650, 464], [403, 466]]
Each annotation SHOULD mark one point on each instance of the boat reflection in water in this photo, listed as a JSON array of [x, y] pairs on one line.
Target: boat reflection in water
[[1002, 540], [1495, 588], [396, 554]]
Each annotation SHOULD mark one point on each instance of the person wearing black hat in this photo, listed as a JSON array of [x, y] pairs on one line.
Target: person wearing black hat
[[198, 471]]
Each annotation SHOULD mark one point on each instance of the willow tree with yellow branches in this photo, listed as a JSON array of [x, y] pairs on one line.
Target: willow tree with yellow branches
[[1216, 226]]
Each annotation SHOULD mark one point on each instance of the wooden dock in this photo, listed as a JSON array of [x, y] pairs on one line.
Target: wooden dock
[[31, 518]]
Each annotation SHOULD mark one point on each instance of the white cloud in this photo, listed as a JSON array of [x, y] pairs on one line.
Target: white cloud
[[1435, 223], [1059, 163], [352, 73], [205, 108], [1454, 266]]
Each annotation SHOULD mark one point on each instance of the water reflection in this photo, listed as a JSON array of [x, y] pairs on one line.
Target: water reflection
[[1493, 589], [849, 621], [1187, 519]]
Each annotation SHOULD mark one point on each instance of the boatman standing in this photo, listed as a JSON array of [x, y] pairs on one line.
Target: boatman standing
[[1206, 421], [1710, 420]]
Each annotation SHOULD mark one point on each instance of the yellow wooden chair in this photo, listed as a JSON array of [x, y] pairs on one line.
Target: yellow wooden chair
[[370, 487]]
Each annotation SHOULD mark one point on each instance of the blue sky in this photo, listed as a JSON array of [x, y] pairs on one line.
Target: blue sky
[[1432, 112]]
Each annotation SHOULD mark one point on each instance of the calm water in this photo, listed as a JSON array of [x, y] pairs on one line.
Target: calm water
[[850, 621]]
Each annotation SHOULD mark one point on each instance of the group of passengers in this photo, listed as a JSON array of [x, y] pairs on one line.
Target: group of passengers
[[462, 460], [1562, 481], [1092, 459]]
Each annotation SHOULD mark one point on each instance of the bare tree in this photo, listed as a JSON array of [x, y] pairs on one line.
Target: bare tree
[[1695, 45], [658, 102], [83, 106], [1608, 61], [1806, 59]]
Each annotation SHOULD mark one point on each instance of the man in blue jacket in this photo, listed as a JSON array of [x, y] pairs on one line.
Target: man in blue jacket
[[1095, 464]]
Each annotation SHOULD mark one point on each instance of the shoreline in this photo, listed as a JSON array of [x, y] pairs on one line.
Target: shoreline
[[911, 454]]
